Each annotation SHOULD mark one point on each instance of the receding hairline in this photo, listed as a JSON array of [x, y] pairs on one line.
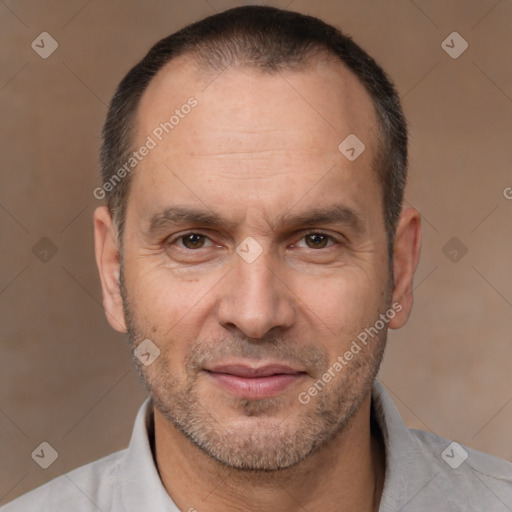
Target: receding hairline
[[246, 34], [202, 68], [203, 72]]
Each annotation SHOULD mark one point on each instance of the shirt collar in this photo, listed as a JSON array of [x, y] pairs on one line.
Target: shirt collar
[[407, 471], [142, 488]]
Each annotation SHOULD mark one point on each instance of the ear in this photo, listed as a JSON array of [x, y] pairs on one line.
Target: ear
[[108, 261], [406, 254]]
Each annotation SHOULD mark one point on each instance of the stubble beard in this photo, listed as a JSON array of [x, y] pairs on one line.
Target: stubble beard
[[267, 444]]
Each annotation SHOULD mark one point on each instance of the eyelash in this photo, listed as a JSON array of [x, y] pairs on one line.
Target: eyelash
[[312, 232]]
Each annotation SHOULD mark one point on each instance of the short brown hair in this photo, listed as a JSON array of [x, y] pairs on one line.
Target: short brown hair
[[269, 39]]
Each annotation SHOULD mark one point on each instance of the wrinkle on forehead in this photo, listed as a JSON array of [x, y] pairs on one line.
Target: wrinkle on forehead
[[241, 104], [260, 135]]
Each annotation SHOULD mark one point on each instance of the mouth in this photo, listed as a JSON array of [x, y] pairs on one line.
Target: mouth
[[255, 382]]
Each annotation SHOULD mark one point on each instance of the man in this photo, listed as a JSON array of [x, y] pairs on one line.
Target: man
[[255, 250]]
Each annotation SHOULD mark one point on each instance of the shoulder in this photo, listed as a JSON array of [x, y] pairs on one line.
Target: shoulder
[[426, 472], [87, 488], [465, 474]]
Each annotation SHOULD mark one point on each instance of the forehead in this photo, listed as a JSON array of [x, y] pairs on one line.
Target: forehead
[[325, 93], [255, 132]]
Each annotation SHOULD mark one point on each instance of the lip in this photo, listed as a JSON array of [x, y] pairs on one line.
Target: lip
[[255, 382]]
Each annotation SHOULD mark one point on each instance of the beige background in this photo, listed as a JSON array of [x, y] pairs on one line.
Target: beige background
[[67, 378]]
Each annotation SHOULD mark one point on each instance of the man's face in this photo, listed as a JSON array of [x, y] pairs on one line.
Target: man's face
[[249, 312]]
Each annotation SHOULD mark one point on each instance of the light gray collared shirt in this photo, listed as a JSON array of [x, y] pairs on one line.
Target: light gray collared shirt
[[424, 473]]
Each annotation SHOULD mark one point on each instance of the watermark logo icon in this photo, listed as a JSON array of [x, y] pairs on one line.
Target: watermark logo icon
[[352, 147], [249, 250], [454, 249], [44, 45], [147, 352], [454, 455], [454, 45], [44, 250], [45, 455]]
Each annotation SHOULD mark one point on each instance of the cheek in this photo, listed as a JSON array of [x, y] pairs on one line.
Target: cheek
[[344, 304], [164, 304], [170, 313]]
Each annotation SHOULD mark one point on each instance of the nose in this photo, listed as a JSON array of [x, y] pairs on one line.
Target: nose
[[255, 298]]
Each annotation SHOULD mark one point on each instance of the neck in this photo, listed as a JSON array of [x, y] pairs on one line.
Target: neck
[[345, 475]]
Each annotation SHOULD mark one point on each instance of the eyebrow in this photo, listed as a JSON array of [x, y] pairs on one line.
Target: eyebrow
[[178, 215]]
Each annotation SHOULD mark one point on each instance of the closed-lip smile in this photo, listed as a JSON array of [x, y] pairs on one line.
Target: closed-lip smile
[[255, 382]]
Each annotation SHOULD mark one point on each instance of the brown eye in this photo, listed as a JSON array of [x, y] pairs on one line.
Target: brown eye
[[317, 240], [193, 240]]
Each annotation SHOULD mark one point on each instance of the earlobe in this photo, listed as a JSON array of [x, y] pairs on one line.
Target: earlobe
[[108, 262], [405, 261]]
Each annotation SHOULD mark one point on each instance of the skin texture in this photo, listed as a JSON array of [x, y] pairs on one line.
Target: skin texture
[[258, 150]]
